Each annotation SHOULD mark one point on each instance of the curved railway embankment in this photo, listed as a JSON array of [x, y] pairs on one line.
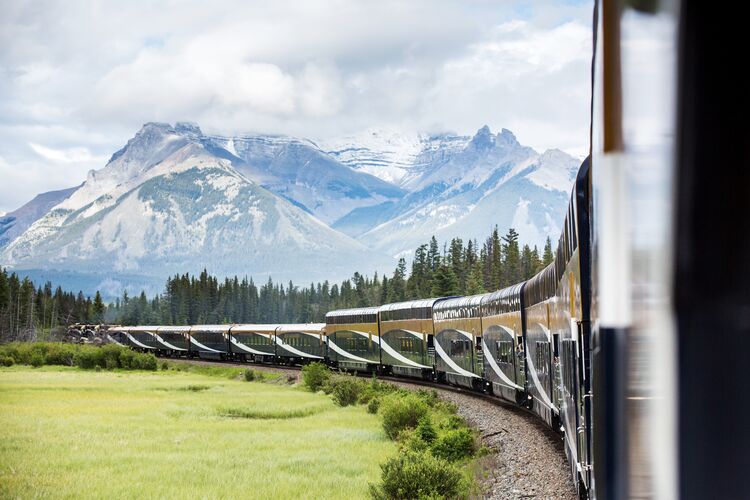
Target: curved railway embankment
[[527, 459]]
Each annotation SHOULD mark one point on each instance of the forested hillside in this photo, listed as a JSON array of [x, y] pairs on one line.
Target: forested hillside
[[455, 268]]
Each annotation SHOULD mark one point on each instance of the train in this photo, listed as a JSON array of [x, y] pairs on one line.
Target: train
[[632, 343], [526, 344]]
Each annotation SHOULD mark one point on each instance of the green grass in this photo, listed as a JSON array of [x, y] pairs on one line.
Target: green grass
[[69, 433]]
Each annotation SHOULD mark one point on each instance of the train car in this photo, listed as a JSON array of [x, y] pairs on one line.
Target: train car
[[301, 343], [458, 352], [174, 340], [253, 342], [140, 338], [354, 339], [406, 338], [540, 346], [570, 328], [116, 335], [210, 341], [502, 343]]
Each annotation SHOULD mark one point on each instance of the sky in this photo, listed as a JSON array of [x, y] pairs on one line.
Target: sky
[[79, 78]]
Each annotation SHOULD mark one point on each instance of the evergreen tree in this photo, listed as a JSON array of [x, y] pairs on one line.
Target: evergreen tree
[[445, 283], [548, 256], [512, 270], [474, 283], [98, 308]]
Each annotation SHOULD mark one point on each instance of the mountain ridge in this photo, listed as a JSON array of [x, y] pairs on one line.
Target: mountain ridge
[[174, 199]]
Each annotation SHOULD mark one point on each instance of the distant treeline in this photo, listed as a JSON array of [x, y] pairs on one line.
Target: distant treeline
[[27, 311], [458, 268]]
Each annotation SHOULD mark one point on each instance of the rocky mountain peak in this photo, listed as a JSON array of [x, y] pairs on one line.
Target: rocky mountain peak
[[483, 139]]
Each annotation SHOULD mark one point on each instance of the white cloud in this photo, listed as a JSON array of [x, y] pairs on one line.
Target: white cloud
[[76, 80], [69, 155]]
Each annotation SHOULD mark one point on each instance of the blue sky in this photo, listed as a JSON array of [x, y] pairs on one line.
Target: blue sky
[[77, 79]]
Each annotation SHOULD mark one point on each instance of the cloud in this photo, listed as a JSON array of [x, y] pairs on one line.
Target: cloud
[[70, 155], [76, 80]]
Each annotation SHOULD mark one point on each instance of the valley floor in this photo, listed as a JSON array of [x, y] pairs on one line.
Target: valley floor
[[71, 433]]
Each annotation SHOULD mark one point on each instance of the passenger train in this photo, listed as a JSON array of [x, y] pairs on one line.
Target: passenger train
[[633, 342], [526, 344]]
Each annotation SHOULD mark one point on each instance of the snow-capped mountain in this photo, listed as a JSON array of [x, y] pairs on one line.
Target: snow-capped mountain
[[174, 199], [391, 155], [299, 171], [494, 180], [165, 204], [13, 224]]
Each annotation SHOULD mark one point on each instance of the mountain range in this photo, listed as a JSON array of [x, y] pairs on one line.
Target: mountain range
[[176, 200]]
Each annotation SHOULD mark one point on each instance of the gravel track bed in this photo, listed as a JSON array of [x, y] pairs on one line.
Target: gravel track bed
[[527, 459]]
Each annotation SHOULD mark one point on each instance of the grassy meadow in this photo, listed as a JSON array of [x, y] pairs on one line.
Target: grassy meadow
[[66, 432]]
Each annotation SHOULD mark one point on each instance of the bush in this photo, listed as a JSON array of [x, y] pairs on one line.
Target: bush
[[97, 368], [37, 360], [401, 412], [455, 445], [164, 366], [249, 375], [315, 376], [146, 361], [373, 405], [409, 440], [6, 361], [425, 430], [84, 356], [418, 475], [346, 389], [87, 359]]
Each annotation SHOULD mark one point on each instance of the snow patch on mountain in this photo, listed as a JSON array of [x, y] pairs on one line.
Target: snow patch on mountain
[[391, 155]]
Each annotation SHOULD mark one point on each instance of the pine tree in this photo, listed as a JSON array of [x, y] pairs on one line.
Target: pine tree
[[98, 308], [548, 256], [445, 283], [512, 270], [474, 283]]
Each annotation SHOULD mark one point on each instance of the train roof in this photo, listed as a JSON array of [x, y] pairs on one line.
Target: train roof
[[352, 312], [470, 301], [255, 328], [135, 328], [210, 328], [511, 291], [411, 304], [302, 327]]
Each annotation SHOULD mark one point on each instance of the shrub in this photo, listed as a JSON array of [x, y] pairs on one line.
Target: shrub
[[453, 422], [373, 405], [147, 361], [164, 366], [37, 360], [346, 389], [7, 361], [418, 475], [425, 430], [61, 354], [126, 359], [400, 412], [87, 359], [455, 445], [315, 376], [429, 397], [409, 440], [249, 375], [97, 368]]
